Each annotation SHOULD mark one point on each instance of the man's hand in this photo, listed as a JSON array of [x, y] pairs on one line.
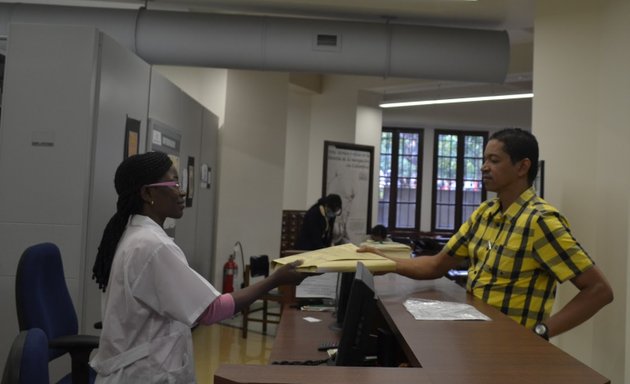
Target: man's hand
[[368, 249]]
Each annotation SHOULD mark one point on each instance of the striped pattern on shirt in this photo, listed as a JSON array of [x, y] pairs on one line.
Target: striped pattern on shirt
[[518, 256]]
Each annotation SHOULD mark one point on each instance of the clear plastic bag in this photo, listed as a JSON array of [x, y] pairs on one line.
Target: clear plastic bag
[[422, 309]]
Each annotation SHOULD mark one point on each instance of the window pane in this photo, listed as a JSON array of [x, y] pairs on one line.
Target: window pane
[[472, 197], [405, 215], [408, 147], [473, 146], [408, 166], [447, 167], [446, 185], [386, 142], [457, 190], [444, 218], [467, 210], [408, 143], [472, 169], [447, 145], [406, 191], [446, 195], [383, 213], [472, 187], [384, 180], [398, 178]]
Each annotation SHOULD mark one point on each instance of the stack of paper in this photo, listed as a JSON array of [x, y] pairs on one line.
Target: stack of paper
[[341, 258], [390, 248]]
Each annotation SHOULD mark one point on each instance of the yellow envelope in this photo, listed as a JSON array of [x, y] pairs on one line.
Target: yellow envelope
[[340, 258], [391, 248]]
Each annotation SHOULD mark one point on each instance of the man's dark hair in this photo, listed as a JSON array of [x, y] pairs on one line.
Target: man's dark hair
[[133, 173], [380, 231], [520, 144]]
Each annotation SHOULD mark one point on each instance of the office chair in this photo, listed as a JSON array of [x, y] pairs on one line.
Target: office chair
[[43, 301], [259, 266], [27, 362]]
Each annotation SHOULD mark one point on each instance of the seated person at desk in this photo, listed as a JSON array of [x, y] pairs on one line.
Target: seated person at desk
[[378, 234], [318, 224], [379, 239], [518, 245], [152, 297]]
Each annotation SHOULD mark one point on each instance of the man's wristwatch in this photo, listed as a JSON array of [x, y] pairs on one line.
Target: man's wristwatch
[[541, 330]]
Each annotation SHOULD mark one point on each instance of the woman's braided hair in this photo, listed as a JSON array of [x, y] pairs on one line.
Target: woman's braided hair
[[131, 175]]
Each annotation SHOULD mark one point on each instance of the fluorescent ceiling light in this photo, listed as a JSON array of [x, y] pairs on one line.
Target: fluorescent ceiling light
[[456, 100]]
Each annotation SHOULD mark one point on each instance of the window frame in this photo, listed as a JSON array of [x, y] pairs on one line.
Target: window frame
[[393, 191], [459, 176]]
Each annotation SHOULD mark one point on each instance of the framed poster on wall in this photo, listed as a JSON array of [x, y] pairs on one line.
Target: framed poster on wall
[[348, 170], [132, 137]]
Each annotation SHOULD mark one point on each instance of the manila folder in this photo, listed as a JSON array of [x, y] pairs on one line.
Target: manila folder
[[340, 258]]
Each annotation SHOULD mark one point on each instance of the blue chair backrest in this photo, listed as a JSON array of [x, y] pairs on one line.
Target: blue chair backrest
[[42, 296], [27, 362]]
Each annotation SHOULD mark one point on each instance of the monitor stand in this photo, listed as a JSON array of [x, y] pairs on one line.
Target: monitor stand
[[335, 326]]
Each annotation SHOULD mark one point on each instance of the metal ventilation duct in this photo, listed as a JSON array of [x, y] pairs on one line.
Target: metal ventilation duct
[[287, 44]]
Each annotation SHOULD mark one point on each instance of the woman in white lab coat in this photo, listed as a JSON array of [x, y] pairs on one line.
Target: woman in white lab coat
[[152, 297]]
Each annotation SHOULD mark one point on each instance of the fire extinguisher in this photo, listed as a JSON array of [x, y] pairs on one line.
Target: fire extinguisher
[[230, 269]]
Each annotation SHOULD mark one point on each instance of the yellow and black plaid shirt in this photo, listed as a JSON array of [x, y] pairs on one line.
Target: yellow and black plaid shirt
[[517, 257]]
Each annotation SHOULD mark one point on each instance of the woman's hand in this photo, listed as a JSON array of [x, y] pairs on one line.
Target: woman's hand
[[289, 275], [285, 275]]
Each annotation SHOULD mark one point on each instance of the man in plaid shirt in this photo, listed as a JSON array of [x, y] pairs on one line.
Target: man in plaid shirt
[[518, 246]]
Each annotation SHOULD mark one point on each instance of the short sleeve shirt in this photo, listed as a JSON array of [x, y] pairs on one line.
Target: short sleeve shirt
[[153, 298], [518, 256]]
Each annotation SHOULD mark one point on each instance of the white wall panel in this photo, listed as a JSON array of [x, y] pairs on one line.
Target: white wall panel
[[123, 91], [297, 148], [49, 90], [204, 257], [580, 116], [171, 106], [252, 165], [46, 145], [69, 90]]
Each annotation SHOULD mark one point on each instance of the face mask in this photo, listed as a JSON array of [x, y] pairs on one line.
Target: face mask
[[330, 214]]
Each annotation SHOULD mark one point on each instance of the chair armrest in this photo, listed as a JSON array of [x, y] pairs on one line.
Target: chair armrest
[[79, 347], [75, 342]]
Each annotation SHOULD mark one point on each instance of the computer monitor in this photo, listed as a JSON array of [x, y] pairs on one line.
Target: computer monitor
[[357, 341], [343, 294]]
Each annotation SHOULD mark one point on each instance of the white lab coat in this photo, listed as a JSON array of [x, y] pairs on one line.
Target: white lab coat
[[152, 300]]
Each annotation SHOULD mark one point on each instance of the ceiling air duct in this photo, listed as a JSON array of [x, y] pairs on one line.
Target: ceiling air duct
[[287, 44]]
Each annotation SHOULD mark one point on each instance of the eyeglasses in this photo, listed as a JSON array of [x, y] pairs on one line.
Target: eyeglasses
[[172, 184]]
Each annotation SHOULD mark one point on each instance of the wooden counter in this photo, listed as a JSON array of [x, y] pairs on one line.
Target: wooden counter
[[484, 352]]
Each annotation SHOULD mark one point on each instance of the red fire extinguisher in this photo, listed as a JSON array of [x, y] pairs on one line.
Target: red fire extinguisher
[[230, 269]]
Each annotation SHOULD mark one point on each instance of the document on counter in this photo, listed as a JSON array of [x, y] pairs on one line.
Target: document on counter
[[324, 286], [340, 258], [422, 309]]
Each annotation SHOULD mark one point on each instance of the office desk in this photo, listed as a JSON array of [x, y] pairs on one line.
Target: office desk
[[484, 352]]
